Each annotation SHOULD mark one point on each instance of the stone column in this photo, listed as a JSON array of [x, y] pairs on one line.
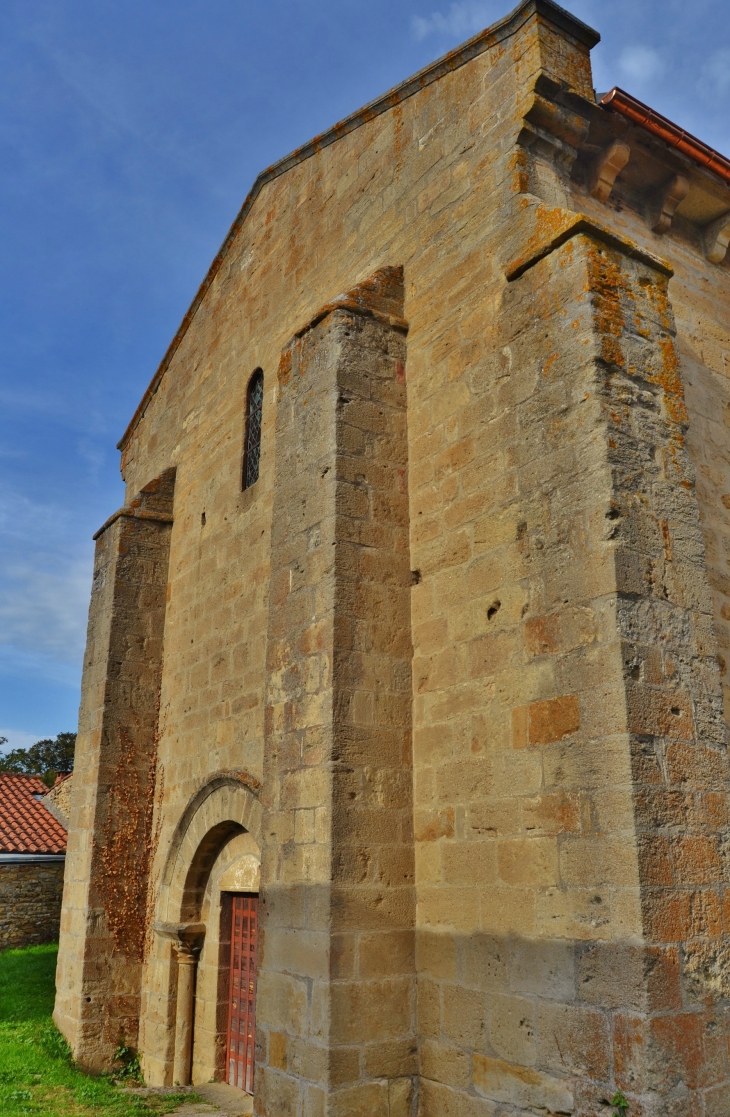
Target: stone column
[[104, 921], [187, 939], [187, 962], [335, 1004]]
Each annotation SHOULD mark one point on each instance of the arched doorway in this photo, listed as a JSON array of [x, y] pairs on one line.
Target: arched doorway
[[214, 855]]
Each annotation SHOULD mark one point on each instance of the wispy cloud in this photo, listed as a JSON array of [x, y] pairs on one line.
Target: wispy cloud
[[641, 64], [91, 452], [18, 739], [118, 96], [33, 401], [105, 86], [37, 666], [715, 77], [44, 610], [462, 19], [44, 590]]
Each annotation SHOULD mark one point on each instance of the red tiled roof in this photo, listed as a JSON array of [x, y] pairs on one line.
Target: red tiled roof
[[26, 825]]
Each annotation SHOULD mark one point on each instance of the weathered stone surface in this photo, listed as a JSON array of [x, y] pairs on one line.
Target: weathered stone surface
[[111, 837], [58, 800], [339, 664], [30, 902], [455, 666]]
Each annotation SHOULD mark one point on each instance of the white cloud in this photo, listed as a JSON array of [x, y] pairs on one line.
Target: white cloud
[[640, 64], [38, 667], [716, 73], [44, 589], [117, 94], [18, 739], [462, 19], [44, 610]]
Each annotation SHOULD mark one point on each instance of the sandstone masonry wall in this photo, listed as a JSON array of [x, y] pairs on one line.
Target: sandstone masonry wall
[[336, 963], [30, 903], [58, 801], [569, 762], [379, 197], [111, 840], [700, 296]]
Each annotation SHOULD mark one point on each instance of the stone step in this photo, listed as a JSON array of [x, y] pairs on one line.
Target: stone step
[[219, 1099]]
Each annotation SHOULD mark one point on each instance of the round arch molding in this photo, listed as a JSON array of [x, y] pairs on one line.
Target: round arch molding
[[228, 803]]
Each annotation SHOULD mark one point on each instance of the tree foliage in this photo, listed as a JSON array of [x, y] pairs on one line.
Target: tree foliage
[[45, 758]]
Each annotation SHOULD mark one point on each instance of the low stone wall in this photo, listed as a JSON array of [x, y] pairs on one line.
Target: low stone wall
[[30, 902]]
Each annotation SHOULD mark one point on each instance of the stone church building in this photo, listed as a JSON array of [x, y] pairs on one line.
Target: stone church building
[[402, 743]]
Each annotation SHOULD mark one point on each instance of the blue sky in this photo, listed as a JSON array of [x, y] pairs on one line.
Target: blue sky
[[130, 132]]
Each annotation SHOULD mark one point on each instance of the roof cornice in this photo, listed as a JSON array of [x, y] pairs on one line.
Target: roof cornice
[[478, 44], [619, 101]]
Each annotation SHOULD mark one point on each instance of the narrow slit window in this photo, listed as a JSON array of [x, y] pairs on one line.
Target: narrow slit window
[[254, 408]]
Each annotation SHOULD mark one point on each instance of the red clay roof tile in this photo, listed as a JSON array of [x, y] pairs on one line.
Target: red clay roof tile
[[26, 825]]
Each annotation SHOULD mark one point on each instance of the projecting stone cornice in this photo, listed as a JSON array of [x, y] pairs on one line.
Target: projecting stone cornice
[[634, 158], [132, 514], [561, 227]]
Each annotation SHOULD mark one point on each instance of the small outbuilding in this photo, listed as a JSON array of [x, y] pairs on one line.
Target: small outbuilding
[[32, 859]]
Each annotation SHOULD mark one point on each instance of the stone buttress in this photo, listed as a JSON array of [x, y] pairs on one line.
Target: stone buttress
[[336, 993], [480, 711], [570, 759], [104, 921]]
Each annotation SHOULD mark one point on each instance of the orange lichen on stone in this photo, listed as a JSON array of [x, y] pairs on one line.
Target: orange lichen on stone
[[547, 366], [432, 825], [399, 140], [541, 723], [671, 381], [520, 180], [284, 367], [607, 284], [379, 297], [460, 635]]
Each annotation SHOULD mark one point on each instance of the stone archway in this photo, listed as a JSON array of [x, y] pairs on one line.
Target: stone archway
[[220, 825], [227, 798]]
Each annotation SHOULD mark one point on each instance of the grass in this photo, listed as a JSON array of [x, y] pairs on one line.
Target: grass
[[37, 1074]]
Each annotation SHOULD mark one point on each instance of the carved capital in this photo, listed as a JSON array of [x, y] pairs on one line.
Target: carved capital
[[187, 938], [607, 166], [716, 237], [666, 202]]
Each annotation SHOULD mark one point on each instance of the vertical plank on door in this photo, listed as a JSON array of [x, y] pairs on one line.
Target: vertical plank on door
[[242, 992]]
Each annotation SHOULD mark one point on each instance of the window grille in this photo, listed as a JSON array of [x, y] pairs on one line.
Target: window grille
[[254, 408]]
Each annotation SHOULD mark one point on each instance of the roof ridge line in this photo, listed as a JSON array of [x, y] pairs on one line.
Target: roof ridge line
[[505, 27]]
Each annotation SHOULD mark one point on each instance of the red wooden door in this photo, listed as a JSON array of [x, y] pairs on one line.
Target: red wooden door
[[242, 992]]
